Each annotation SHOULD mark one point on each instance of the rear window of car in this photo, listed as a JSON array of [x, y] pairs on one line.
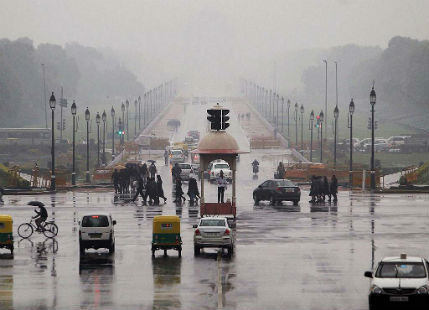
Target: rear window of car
[[284, 183], [221, 166], [176, 152], [95, 221], [212, 223], [185, 166]]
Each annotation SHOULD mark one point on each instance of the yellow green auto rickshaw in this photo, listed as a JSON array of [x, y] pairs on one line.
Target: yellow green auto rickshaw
[[166, 234], [6, 237]]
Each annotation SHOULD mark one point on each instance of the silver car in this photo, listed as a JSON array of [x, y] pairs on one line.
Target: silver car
[[186, 171], [213, 232]]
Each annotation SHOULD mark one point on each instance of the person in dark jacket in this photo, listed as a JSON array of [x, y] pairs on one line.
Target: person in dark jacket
[[151, 190], [115, 179], [313, 192], [325, 189], [159, 189], [176, 171], [193, 192], [166, 157], [152, 170], [144, 172], [334, 187], [179, 191], [140, 190]]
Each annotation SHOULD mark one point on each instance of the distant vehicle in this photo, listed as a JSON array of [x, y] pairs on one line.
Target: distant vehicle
[[399, 281], [194, 134], [195, 158], [213, 232], [276, 191], [25, 136], [177, 156], [216, 166], [354, 141], [96, 231], [365, 144], [186, 171], [381, 147], [397, 140], [196, 170]]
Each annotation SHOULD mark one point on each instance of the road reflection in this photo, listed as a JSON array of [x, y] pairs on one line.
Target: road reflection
[[166, 282]]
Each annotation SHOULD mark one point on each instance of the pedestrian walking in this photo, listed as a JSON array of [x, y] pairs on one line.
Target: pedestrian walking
[[166, 157], [280, 171], [193, 192], [115, 179], [159, 189], [151, 190], [326, 191], [334, 188], [179, 191], [176, 171], [140, 190], [221, 187], [144, 172], [152, 170]]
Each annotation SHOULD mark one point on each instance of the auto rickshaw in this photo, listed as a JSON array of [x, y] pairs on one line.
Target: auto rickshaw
[[6, 237], [166, 234]]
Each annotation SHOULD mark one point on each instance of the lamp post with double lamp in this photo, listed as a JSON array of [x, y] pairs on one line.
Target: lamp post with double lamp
[[321, 115], [283, 116], [135, 119], [73, 112], [326, 96], [97, 120], [123, 115], [87, 118], [127, 104], [302, 126], [112, 113], [277, 112], [351, 111], [288, 110], [311, 134], [296, 124], [52, 103], [104, 118], [140, 101], [372, 100], [336, 113]]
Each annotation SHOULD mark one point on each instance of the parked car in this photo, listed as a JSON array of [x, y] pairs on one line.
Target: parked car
[[96, 231], [177, 156], [399, 281], [216, 166], [186, 171], [276, 191], [194, 134], [397, 140], [381, 147], [213, 232]]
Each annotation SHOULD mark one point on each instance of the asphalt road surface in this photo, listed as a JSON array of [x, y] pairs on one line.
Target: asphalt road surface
[[286, 257]]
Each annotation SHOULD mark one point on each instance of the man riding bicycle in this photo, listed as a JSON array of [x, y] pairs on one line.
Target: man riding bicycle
[[41, 217]]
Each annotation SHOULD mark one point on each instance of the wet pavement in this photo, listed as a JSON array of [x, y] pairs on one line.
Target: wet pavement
[[286, 257]]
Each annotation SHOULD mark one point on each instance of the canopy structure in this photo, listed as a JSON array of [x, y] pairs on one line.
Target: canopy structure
[[218, 145]]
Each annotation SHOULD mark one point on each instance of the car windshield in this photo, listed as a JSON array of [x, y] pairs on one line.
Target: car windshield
[[176, 152], [283, 183], [222, 166], [95, 221], [401, 270], [212, 223], [185, 166]]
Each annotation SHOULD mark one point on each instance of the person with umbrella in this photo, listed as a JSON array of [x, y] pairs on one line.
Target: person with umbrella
[[41, 214], [152, 170]]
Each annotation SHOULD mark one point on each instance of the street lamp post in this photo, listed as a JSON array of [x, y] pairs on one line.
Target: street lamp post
[[302, 126], [73, 111], [121, 133], [97, 120], [127, 104], [372, 100], [52, 103], [277, 112], [288, 109], [266, 104], [351, 111], [104, 118], [144, 109], [296, 124], [123, 116], [135, 119], [87, 118], [336, 113], [112, 113], [311, 134], [140, 101], [326, 96], [321, 135], [283, 103]]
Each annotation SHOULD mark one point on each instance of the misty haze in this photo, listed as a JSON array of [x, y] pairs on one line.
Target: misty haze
[[191, 154]]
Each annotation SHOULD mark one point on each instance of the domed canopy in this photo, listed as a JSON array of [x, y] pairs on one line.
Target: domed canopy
[[218, 142]]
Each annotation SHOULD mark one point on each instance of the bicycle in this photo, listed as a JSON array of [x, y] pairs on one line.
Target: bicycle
[[25, 230]]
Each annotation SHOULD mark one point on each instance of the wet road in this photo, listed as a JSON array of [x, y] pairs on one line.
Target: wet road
[[305, 257]]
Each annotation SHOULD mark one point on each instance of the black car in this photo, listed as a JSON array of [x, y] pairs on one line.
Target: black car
[[277, 190]]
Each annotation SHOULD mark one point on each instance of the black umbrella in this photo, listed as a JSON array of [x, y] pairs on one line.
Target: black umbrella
[[36, 203], [151, 161]]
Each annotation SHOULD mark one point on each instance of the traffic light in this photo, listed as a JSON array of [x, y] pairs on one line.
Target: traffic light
[[58, 126], [64, 124], [218, 119], [375, 124]]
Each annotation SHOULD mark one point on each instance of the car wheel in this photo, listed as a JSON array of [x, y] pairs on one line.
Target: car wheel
[[112, 248], [256, 200], [230, 250], [272, 201], [295, 202], [196, 250]]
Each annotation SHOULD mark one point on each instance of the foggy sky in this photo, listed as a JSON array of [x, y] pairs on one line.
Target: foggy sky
[[175, 37]]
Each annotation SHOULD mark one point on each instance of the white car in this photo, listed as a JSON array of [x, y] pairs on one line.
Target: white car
[[186, 171], [177, 156], [213, 232], [216, 166], [399, 280], [96, 231], [397, 140]]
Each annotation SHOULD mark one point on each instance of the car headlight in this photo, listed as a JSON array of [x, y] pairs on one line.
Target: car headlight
[[376, 290], [422, 290]]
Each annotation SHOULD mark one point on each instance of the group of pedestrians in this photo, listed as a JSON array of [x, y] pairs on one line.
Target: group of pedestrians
[[150, 191], [127, 179], [320, 188]]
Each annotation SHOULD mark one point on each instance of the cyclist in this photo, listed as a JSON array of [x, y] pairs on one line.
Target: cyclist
[[255, 165], [41, 216]]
